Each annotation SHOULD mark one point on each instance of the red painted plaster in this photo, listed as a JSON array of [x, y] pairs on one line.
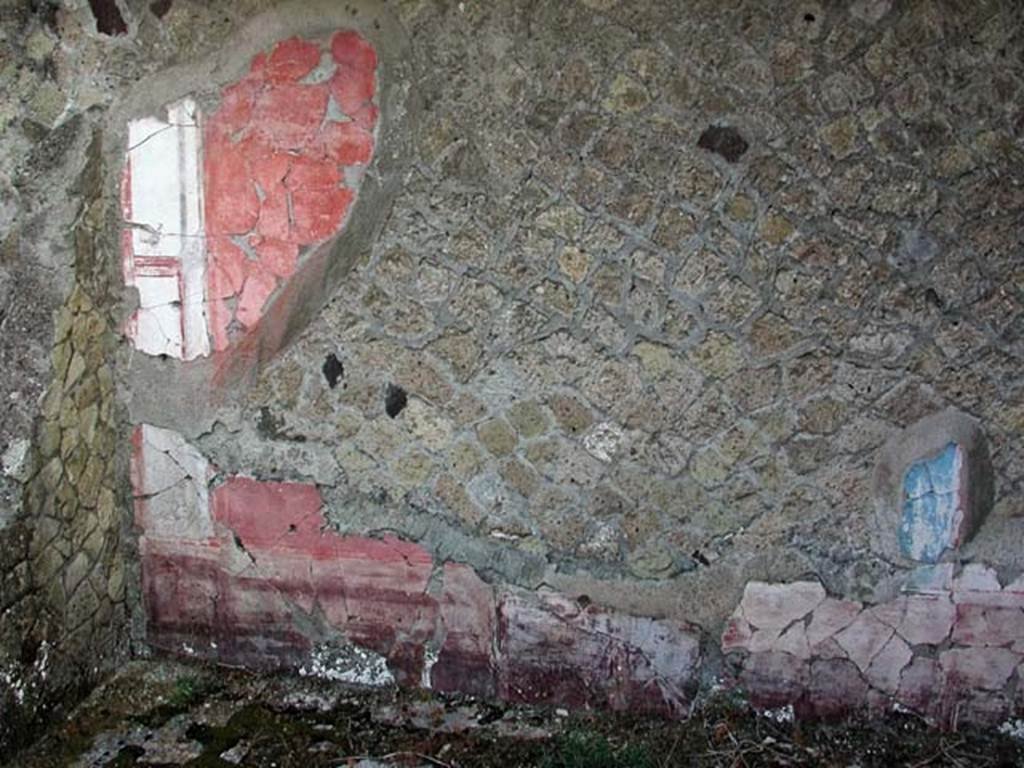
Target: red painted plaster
[[351, 50], [259, 284], [275, 218], [281, 159], [288, 115], [275, 160], [292, 60], [944, 650]]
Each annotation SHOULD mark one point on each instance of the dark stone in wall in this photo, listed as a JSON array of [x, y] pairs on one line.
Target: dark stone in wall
[[395, 400], [333, 370], [160, 7], [725, 141], [109, 20]]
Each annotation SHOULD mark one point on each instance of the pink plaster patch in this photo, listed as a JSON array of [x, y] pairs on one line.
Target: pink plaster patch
[[228, 268], [985, 668], [776, 606], [319, 212], [288, 115], [351, 50], [232, 205], [946, 648], [921, 686], [278, 256], [982, 625], [275, 218], [235, 111], [864, 638], [831, 617], [466, 660], [737, 634], [832, 685], [555, 650], [346, 143], [353, 89], [794, 642], [774, 679], [926, 619], [255, 292], [887, 666]]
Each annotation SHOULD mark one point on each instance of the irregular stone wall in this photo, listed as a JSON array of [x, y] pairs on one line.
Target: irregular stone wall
[[631, 299], [62, 585], [639, 334], [65, 619]]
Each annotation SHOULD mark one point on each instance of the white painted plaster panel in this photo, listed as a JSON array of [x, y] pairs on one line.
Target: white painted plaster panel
[[174, 478], [165, 158]]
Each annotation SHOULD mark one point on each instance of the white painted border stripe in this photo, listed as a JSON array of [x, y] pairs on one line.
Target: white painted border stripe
[[166, 210]]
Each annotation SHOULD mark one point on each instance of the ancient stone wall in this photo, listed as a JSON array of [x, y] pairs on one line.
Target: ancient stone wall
[[605, 319], [65, 617], [62, 595]]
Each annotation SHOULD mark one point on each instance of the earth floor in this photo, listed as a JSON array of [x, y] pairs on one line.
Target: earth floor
[[168, 713]]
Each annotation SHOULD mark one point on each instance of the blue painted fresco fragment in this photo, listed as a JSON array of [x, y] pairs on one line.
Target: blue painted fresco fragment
[[931, 517]]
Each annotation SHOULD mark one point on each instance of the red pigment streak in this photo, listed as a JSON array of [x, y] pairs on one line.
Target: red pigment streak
[[274, 576], [275, 566], [127, 249], [274, 556]]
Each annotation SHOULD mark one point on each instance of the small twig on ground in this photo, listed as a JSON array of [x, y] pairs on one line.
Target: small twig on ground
[[352, 759]]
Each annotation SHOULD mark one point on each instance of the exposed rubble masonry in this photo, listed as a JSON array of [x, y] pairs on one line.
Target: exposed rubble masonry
[[219, 211], [246, 572]]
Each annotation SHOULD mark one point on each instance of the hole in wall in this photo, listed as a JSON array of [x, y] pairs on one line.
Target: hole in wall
[[723, 140], [109, 20], [29, 650], [333, 370], [395, 400], [46, 10], [159, 8]]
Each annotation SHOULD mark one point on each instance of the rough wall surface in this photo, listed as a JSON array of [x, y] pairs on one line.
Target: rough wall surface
[[658, 283], [63, 623]]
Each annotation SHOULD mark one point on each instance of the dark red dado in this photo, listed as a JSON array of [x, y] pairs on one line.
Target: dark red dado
[[248, 573]]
